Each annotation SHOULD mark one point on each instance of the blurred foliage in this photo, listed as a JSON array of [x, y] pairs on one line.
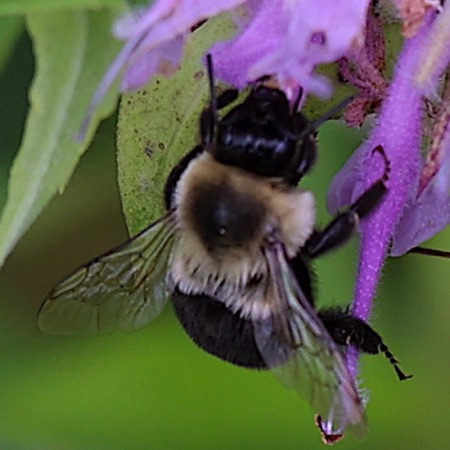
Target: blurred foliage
[[153, 388], [68, 67], [33, 6]]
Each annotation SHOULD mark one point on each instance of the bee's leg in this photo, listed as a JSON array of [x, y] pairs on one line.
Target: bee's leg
[[305, 276], [343, 225], [348, 330]]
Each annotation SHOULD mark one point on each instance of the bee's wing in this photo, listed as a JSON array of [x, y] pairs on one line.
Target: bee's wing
[[124, 288], [298, 349]]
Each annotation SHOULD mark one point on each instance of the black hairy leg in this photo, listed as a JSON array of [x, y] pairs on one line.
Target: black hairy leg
[[343, 225], [348, 330]]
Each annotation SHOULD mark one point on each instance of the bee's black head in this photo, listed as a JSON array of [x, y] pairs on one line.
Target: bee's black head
[[262, 134], [258, 134]]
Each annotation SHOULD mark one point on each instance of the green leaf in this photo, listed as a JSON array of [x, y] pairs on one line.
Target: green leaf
[[72, 52], [10, 29], [157, 126], [34, 6]]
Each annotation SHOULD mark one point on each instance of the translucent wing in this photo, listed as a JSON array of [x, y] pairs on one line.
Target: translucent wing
[[124, 288], [298, 349]]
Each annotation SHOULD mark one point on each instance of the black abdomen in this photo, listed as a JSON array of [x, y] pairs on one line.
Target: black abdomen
[[222, 333], [215, 329]]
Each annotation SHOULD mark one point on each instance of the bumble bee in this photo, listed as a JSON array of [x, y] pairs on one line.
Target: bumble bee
[[232, 254]]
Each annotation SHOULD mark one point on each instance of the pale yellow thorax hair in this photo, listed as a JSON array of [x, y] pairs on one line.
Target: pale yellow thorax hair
[[291, 212]]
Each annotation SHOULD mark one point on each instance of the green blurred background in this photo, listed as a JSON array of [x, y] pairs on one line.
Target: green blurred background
[[153, 389]]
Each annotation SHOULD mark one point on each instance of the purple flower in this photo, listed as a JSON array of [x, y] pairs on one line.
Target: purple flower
[[155, 38], [288, 39], [417, 204], [429, 212], [283, 38], [398, 133]]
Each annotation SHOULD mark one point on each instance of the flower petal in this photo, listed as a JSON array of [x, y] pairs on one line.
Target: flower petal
[[233, 59], [429, 214], [164, 59], [154, 38], [288, 39]]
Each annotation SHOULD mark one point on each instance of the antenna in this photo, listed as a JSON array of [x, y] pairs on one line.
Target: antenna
[[297, 100], [212, 91], [327, 116], [313, 126]]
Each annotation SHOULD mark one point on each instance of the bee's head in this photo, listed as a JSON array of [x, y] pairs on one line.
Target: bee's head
[[257, 134]]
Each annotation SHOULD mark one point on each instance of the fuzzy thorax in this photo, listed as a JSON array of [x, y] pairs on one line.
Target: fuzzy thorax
[[224, 216]]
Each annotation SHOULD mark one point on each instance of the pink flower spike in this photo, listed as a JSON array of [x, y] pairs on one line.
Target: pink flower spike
[[398, 131], [429, 211]]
